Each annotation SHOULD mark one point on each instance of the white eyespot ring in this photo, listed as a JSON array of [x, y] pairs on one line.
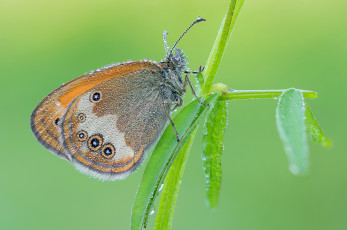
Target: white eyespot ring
[[81, 117], [108, 151], [95, 142], [82, 135]]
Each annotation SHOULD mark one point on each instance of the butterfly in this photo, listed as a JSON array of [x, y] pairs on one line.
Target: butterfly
[[105, 121]]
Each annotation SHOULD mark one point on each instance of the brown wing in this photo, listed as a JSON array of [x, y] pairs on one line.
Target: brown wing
[[46, 118], [108, 137]]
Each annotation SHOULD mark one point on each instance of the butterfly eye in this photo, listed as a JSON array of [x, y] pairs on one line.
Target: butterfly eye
[[82, 135], [81, 117], [95, 142], [108, 151], [95, 97]]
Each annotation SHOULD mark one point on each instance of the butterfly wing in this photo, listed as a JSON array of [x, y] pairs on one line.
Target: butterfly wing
[[108, 137], [105, 130], [46, 118]]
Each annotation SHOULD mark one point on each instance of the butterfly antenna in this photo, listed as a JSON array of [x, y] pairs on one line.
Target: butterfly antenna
[[196, 21], [166, 46]]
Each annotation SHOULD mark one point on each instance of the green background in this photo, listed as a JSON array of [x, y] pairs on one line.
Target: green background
[[275, 45]]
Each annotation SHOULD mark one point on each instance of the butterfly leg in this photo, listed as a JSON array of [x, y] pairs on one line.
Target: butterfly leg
[[186, 80], [171, 121], [173, 126], [195, 72]]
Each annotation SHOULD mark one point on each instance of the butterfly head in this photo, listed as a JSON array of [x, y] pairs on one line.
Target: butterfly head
[[175, 59], [177, 62]]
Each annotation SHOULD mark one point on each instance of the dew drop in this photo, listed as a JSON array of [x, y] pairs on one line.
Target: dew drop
[[151, 211], [161, 187]]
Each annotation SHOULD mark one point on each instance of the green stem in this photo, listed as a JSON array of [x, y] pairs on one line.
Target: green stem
[[255, 94], [219, 45]]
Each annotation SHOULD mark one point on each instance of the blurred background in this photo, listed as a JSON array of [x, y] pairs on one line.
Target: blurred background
[[275, 45]]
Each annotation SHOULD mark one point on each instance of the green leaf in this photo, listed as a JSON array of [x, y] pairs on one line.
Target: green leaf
[[220, 43], [212, 149], [171, 187], [290, 117], [162, 158], [314, 130]]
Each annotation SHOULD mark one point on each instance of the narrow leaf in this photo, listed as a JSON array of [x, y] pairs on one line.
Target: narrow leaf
[[212, 149], [313, 128], [220, 43], [162, 158], [290, 118], [171, 187]]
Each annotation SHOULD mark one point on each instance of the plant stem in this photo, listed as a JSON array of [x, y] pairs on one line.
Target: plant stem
[[255, 94], [220, 44]]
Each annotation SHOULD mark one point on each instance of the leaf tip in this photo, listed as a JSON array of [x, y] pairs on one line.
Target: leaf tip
[[327, 142]]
